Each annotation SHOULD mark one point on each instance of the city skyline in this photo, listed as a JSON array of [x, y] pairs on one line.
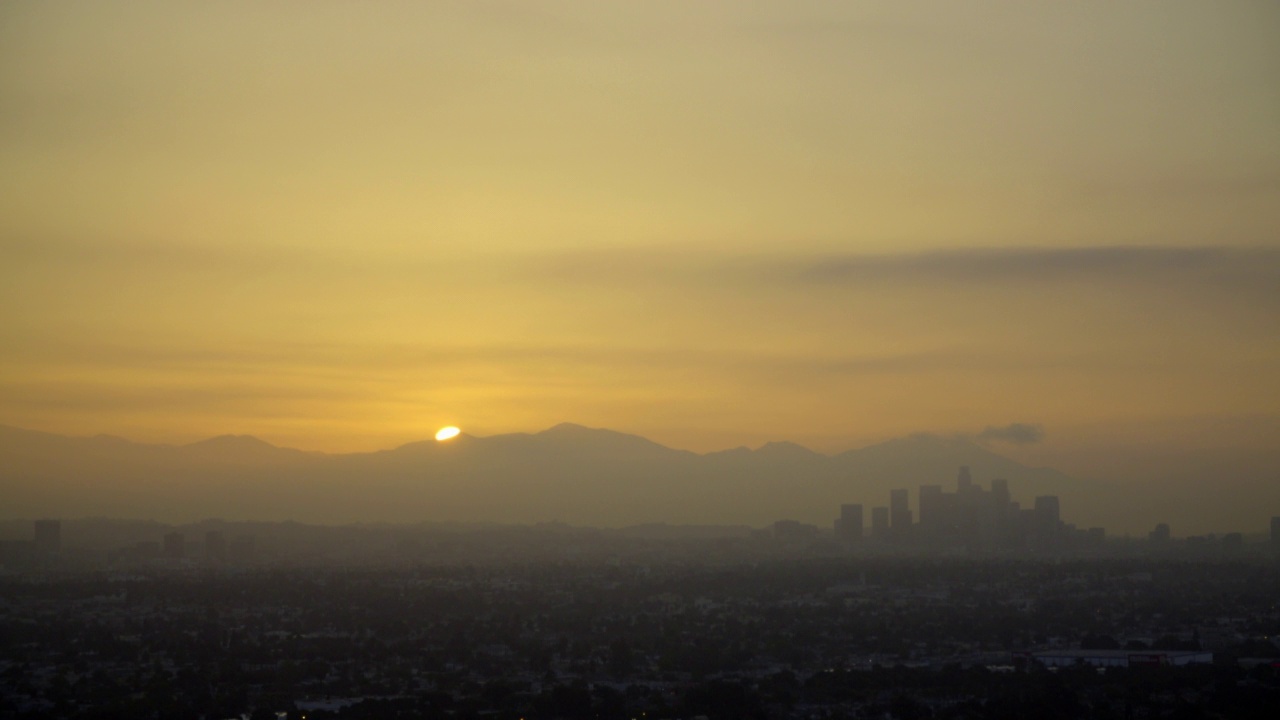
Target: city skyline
[[600, 477]]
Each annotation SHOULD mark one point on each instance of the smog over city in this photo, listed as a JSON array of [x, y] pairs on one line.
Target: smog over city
[[607, 359]]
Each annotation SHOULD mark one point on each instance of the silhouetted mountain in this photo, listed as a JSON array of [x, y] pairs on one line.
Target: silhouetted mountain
[[566, 473], [240, 449], [579, 436], [19, 444], [924, 459]]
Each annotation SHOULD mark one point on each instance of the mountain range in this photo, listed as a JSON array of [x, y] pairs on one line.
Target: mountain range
[[567, 473]]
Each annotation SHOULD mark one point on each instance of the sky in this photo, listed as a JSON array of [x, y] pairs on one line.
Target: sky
[[340, 226]]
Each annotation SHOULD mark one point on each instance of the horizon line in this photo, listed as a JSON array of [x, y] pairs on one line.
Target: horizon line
[[972, 438]]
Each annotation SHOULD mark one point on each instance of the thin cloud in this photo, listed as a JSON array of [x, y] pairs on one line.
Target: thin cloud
[[984, 265], [1257, 267], [672, 266]]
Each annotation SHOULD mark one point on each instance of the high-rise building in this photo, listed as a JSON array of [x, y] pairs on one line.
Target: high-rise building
[[794, 530], [964, 480], [1048, 512], [899, 513], [48, 536], [175, 546], [849, 524], [1046, 520], [931, 509], [879, 522], [1000, 497], [1160, 535]]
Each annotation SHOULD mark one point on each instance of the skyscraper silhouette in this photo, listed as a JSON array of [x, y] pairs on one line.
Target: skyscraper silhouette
[[1048, 512], [899, 513], [1160, 535], [849, 524], [932, 511], [175, 546], [1000, 497], [879, 522]]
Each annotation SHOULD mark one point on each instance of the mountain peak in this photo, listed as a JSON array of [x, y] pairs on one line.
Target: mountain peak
[[565, 428], [602, 439], [786, 449], [238, 449], [232, 442], [575, 431]]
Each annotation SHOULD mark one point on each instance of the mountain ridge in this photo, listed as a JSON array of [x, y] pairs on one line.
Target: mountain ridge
[[564, 430], [566, 473]]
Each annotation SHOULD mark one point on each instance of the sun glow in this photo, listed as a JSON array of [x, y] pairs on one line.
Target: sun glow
[[447, 433]]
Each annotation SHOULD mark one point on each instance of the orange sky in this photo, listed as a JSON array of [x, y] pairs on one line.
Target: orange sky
[[343, 225]]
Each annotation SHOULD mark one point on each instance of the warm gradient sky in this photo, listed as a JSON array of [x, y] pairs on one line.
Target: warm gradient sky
[[341, 225]]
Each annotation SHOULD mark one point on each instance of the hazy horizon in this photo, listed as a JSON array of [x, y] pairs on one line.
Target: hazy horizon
[[1095, 456], [597, 477], [1003, 438]]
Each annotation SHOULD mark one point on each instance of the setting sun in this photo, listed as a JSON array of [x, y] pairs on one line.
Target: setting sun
[[447, 433]]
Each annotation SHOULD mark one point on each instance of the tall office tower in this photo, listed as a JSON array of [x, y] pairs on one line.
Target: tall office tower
[[899, 513], [849, 525], [964, 480], [215, 546], [931, 510], [1000, 497], [998, 521], [1160, 535], [879, 522], [1048, 514], [175, 546], [48, 536]]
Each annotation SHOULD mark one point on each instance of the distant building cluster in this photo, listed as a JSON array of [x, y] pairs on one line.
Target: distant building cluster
[[971, 517], [976, 518], [46, 550], [44, 547], [175, 549]]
